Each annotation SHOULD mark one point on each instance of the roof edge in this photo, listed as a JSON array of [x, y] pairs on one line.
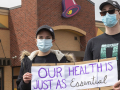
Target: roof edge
[[98, 21], [15, 7], [4, 8], [19, 6], [91, 2], [4, 28]]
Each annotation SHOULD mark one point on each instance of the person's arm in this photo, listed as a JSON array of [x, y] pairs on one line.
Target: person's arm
[[88, 52], [21, 85], [117, 86]]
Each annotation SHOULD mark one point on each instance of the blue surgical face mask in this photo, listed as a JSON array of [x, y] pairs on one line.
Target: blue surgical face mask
[[44, 45], [109, 20]]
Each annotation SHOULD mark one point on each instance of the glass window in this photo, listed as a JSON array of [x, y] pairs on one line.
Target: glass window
[[16, 71], [1, 79]]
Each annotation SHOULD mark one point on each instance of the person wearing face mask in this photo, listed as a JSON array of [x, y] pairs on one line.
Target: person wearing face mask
[[44, 39], [106, 45]]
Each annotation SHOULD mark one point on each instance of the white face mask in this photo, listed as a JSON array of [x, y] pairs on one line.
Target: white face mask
[[44, 45]]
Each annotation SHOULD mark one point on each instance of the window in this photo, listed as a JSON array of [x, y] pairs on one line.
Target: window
[[15, 73], [1, 79]]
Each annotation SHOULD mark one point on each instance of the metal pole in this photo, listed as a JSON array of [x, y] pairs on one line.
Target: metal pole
[[57, 46]]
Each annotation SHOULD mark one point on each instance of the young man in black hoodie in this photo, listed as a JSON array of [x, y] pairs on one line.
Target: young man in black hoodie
[[44, 39]]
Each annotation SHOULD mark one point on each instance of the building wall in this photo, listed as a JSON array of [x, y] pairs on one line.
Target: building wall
[[4, 34], [7, 78], [65, 40], [23, 26], [5, 39], [5, 49]]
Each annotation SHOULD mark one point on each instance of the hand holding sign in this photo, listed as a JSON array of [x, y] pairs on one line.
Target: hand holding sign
[[117, 86], [27, 77]]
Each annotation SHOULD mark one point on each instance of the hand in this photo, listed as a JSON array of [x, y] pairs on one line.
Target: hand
[[117, 86], [27, 77]]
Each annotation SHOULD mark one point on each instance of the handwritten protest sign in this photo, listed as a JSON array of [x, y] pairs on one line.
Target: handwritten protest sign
[[73, 77]]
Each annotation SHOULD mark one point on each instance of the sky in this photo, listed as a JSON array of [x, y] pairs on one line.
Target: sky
[[9, 3], [13, 3]]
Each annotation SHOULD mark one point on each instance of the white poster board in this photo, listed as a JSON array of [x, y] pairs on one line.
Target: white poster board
[[73, 77]]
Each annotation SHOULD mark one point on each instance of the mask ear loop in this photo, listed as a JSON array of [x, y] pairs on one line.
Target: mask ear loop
[[119, 14], [119, 18]]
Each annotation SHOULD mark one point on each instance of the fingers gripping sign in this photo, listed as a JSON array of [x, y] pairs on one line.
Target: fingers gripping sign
[[27, 77], [117, 86]]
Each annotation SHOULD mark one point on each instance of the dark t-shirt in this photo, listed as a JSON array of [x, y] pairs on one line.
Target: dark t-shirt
[[50, 58], [104, 46]]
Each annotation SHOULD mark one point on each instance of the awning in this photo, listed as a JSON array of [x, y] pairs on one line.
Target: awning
[[5, 62]]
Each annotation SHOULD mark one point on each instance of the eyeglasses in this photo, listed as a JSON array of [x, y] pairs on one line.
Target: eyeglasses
[[103, 13]]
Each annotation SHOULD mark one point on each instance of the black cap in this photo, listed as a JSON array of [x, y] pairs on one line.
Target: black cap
[[113, 3], [46, 27]]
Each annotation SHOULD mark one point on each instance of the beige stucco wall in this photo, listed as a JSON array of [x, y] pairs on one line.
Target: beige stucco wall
[[5, 39], [7, 78], [65, 40]]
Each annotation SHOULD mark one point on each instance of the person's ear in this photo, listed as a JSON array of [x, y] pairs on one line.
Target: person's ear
[[119, 15], [36, 40]]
